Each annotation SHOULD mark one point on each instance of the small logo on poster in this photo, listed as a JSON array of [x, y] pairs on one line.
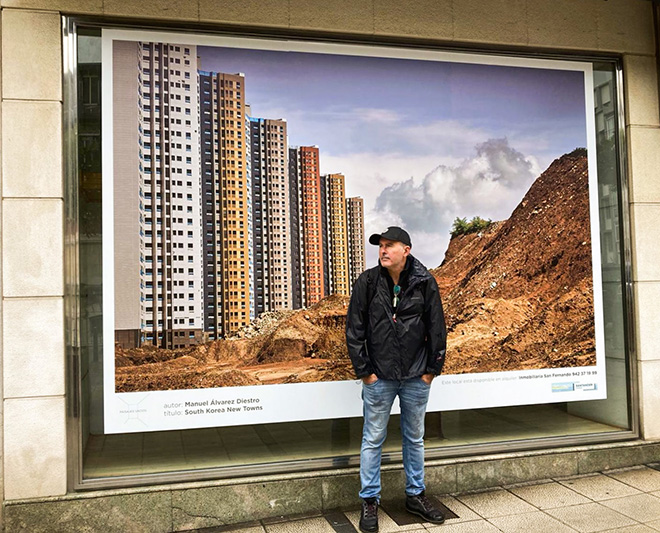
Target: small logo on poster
[[563, 387], [586, 386]]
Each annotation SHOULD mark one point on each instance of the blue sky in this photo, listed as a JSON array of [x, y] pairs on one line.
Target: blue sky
[[421, 141]]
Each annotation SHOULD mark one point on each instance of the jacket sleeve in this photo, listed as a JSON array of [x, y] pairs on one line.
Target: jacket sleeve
[[357, 322], [436, 331]]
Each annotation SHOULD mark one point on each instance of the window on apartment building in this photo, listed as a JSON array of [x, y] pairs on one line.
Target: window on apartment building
[[108, 454]]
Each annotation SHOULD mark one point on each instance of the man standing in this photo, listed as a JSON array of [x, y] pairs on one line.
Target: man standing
[[396, 337]]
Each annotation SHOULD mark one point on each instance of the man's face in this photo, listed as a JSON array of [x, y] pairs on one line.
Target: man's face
[[392, 254]]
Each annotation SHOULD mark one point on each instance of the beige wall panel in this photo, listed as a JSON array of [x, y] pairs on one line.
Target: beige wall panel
[[31, 55], [645, 239], [626, 26], [644, 156], [261, 12], [497, 21], [419, 18], [153, 9], [32, 149], [649, 389], [34, 448], [338, 15], [641, 90], [33, 347], [647, 318], [32, 247], [90, 7], [563, 23]]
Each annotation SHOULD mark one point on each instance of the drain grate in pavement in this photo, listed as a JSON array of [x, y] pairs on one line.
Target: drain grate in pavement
[[339, 522], [397, 511]]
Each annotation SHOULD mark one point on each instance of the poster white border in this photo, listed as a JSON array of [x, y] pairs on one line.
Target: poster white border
[[183, 409]]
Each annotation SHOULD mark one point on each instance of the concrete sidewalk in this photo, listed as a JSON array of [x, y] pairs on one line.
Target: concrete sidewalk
[[626, 500]]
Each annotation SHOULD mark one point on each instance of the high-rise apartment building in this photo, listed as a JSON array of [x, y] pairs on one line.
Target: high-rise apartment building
[[356, 251], [337, 234], [305, 174], [269, 154], [226, 191], [325, 245], [159, 158], [295, 224]]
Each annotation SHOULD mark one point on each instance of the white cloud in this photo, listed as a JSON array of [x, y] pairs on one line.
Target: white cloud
[[490, 184]]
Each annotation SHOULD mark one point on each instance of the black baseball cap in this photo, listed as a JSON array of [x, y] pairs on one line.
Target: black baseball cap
[[393, 233]]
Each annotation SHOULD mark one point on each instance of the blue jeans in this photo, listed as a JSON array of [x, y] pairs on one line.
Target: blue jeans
[[377, 400]]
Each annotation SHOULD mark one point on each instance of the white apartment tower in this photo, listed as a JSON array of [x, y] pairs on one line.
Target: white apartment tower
[[171, 295]]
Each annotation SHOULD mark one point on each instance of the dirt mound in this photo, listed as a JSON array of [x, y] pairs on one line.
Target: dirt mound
[[317, 332], [519, 295], [200, 377]]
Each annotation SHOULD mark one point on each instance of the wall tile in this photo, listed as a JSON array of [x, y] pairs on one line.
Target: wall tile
[[563, 24], [153, 9], [433, 19], [31, 55], [641, 90], [644, 167], [33, 347], [32, 149], [339, 15], [215, 506], [32, 242], [257, 12], [645, 238], [501, 21], [484, 474], [647, 318], [34, 448], [649, 394], [626, 26], [90, 7], [126, 513]]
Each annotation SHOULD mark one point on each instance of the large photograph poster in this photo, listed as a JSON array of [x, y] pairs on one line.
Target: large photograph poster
[[242, 178]]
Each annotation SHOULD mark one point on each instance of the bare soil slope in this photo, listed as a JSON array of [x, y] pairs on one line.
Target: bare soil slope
[[517, 296]]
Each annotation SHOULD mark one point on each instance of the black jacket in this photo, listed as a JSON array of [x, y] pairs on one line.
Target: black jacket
[[406, 347]]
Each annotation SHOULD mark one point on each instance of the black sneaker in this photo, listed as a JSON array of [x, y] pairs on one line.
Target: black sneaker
[[369, 516], [422, 506]]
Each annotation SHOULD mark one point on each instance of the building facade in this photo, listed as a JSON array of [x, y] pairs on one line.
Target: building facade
[[356, 238], [337, 234], [161, 145], [227, 196], [271, 214], [52, 285]]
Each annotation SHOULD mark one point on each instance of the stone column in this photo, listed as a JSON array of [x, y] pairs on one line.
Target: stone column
[[34, 447]]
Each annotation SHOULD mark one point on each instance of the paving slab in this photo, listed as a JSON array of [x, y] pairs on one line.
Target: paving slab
[[537, 521], [641, 507], [655, 525], [645, 479], [495, 503], [590, 518], [464, 513], [475, 526], [318, 525], [599, 487], [639, 528], [549, 495]]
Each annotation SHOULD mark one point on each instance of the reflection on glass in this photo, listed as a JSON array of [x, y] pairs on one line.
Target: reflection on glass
[[335, 440]]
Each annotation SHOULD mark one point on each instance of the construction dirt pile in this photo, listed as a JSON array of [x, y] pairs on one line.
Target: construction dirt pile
[[517, 295], [305, 345]]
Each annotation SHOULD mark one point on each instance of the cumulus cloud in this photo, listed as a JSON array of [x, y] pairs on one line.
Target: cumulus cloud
[[490, 184]]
